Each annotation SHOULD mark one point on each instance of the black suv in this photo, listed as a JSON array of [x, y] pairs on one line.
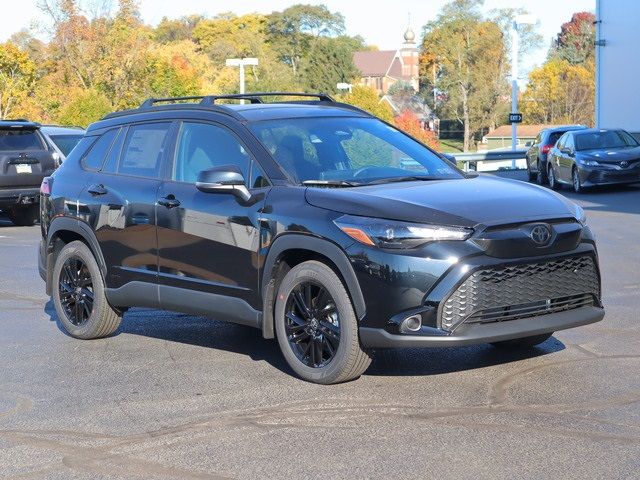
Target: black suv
[[25, 159], [313, 221]]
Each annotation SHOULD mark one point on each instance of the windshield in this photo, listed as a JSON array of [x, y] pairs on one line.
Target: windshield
[[605, 139], [19, 139], [348, 151], [65, 142]]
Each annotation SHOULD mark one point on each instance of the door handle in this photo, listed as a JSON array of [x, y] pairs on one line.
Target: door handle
[[97, 189], [169, 201]]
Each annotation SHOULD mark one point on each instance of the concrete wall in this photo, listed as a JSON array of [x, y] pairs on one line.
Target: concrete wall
[[618, 64]]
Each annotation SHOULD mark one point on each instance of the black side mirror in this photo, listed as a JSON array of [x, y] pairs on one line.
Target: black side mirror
[[223, 179]]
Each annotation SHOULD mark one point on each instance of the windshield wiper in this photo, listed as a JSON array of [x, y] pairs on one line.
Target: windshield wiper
[[330, 183], [407, 178]]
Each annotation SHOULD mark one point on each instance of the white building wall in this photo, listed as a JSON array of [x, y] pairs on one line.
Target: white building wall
[[618, 64]]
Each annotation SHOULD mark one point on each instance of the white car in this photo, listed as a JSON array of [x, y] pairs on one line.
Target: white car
[[62, 139]]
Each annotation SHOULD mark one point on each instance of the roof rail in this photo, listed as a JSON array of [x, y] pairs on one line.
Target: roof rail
[[16, 120], [256, 97], [150, 102]]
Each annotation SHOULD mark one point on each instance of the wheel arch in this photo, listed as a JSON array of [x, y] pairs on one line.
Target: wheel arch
[[291, 249], [62, 231]]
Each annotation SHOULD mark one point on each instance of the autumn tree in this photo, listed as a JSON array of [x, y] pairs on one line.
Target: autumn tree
[[17, 77], [575, 42], [468, 52], [409, 123], [367, 99]]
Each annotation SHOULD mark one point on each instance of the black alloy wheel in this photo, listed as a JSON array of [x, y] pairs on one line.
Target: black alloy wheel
[[76, 291], [575, 180], [312, 324]]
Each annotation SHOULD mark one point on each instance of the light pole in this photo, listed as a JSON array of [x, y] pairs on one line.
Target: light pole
[[241, 62], [515, 44]]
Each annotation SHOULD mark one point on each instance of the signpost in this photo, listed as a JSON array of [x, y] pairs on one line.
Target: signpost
[[515, 118]]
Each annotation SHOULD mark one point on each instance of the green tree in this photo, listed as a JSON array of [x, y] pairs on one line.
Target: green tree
[[176, 30], [468, 52], [330, 61], [17, 78], [293, 31], [84, 107]]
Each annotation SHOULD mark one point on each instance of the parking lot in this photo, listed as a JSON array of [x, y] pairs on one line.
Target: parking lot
[[174, 396]]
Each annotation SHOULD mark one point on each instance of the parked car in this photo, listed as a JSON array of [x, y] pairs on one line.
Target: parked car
[[62, 139], [537, 153], [25, 159], [591, 157], [297, 218]]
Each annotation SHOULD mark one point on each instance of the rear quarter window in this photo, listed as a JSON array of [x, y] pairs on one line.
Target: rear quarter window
[[94, 159], [18, 139]]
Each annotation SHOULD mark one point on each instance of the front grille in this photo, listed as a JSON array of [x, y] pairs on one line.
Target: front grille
[[519, 291], [602, 176]]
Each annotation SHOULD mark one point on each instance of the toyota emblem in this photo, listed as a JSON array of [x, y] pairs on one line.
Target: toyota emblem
[[541, 234], [624, 164]]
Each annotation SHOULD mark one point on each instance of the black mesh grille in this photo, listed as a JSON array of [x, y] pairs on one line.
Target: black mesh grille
[[520, 291]]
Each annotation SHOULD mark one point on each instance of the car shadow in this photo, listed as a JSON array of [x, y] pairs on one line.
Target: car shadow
[[207, 333]]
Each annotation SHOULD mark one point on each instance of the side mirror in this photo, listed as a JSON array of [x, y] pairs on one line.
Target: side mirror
[[223, 179]]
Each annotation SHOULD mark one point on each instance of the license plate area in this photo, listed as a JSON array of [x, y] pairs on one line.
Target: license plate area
[[23, 168]]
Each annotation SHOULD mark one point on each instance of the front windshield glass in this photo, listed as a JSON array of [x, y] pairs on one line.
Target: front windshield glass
[[349, 150], [605, 139]]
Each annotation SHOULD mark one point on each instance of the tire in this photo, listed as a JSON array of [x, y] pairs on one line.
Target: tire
[[532, 176], [301, 326], [551, 175], [24, 216], [576, 183], [526, 342], [541, 176], [77, 279]]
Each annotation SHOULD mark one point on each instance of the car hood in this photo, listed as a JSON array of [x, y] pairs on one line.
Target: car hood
[[469, 202], [611, 156]]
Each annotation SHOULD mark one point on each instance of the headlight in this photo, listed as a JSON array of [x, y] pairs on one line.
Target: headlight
[[589, 163], [394, 234], [580, 215]]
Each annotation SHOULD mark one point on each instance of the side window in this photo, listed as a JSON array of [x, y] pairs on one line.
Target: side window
[[538, 139], [111, 163], [258, 177], [561, 140], [568, 142], [94, 158], [202, 146], [143, 150]]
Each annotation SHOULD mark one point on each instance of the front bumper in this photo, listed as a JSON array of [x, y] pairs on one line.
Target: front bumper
[[609, 176], [469, 334]]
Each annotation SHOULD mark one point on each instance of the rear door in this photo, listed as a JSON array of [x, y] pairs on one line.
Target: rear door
[[121, 197], [25, 158]]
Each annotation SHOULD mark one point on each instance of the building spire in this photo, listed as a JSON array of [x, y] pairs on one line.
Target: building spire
[[409, 35]]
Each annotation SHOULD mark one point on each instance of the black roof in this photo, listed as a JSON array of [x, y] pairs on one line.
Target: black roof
[[322, 105], [19, 123]]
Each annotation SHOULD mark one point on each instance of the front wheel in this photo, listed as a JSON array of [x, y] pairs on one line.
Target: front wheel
[[553, 182], [316, 326], [78, 294], [575, 181], [526, 342]]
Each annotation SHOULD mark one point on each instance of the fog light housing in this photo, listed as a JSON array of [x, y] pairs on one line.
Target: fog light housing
[[412, 323]]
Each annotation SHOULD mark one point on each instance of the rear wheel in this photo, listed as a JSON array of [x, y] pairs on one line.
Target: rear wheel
[[526, 342], [531, 175], [24, 216], [553, 183], [78, 294], [316, 326]]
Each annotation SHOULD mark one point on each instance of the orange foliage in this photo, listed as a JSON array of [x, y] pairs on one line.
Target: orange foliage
[[409, 123]]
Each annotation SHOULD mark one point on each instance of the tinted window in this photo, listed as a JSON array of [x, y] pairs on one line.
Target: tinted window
[[568, 142], [258, 177], [93, 160], [605, 139], [65, 142], [560, 143], [19, 139], [111, 164], [554, 136], [347, 149], [202, 146], [143, 150]]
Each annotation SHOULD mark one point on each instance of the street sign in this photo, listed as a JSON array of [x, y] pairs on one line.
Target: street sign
[[515, 118]]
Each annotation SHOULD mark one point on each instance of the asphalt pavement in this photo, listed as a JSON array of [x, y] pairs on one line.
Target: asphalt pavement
[[172, 396]]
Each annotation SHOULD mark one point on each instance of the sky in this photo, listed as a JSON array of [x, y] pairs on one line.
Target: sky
[[379, 23]]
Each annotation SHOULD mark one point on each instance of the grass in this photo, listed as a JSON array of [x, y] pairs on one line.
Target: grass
[[450, 145]]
